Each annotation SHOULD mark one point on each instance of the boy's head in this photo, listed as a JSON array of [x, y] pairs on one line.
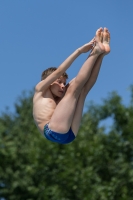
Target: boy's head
[[49, 71]]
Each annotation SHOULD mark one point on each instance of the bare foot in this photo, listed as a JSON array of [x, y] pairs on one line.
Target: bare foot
[[106, 40], [99, 47]]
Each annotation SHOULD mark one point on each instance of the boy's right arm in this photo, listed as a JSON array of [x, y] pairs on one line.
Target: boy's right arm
[[44, 84]]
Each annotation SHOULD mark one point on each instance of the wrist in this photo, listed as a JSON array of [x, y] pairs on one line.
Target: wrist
[[79, 51]]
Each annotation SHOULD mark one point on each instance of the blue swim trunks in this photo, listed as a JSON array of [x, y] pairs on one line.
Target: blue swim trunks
[[58, 137]]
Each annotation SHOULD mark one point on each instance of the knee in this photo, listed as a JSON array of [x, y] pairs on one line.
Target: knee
[[73, 89]]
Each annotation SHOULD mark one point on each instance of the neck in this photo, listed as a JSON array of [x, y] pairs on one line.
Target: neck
[[57, 99]]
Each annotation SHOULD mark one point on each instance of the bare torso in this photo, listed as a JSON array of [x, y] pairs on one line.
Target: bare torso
[[43, 108]]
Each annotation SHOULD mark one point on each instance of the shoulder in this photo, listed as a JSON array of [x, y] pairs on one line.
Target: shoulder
[[38, 86], [42, 94]]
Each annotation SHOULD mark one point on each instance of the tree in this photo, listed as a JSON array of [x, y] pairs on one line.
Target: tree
[[97, 165]]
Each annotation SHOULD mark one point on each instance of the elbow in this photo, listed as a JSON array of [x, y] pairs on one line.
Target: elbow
[[38, 88]]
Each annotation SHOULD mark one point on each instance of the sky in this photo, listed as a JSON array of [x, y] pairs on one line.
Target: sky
[[37, 34]]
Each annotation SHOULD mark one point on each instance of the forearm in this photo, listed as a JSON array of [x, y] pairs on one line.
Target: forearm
[[67, 63], [44, 84]]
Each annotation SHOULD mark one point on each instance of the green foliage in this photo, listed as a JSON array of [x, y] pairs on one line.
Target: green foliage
[[96, 166]]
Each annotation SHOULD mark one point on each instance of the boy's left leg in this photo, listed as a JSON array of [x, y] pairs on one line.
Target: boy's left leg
[[63, 114]]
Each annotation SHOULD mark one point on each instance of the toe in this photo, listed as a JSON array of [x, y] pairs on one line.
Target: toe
[[105, 29]]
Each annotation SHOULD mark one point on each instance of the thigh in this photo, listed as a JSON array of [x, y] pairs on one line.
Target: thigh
[[65, 113], [62, 117], [78, 113]]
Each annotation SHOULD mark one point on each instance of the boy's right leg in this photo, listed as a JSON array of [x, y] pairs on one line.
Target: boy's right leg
[[62, 117], [91, 81], [87, 87]]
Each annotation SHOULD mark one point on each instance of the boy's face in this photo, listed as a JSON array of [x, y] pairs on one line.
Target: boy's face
[[58, 87]]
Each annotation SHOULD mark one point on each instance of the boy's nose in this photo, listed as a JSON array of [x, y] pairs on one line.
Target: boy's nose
[[62, 85]]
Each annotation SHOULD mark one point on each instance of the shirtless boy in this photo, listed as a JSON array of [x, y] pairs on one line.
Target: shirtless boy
[[57, 107]]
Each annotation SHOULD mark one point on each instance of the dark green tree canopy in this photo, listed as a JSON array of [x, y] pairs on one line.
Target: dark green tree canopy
[[98, 165]]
